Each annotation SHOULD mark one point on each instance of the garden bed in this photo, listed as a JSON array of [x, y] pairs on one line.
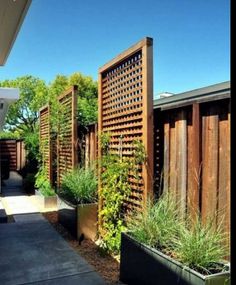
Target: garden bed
[[141, 264]]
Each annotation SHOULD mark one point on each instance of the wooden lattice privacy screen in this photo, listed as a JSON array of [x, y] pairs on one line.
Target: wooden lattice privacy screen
[[45, 140], [126, 108], [67, 133]]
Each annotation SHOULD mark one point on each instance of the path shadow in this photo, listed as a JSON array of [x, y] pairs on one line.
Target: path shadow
[[13, 185]]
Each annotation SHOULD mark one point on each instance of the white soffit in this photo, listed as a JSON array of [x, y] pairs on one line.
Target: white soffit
[[12, 14], [7, 96]]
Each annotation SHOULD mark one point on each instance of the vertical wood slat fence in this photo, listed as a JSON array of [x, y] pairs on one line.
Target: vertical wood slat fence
[[91, 145], [67, 133], [126, 110], [192, 157]]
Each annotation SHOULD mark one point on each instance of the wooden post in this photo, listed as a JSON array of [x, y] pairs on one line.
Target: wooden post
[[99, 132], [166, 168], [87, 150], [148, 133], [74, 126]]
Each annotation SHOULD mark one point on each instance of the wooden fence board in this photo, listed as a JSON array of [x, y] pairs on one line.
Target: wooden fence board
[[210, 165], [224, 170], [194, 166]]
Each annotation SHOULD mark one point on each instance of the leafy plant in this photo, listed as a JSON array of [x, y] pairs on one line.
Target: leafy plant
[[9, 135], [43, 184], [28, 183], [79, 186], [115, 190]]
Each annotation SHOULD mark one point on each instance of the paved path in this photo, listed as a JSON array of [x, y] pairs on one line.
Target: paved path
[[16, 201], [32, 251]]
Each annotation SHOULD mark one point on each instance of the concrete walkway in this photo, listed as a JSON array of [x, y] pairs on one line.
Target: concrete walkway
[[14, 200], [32, 251]]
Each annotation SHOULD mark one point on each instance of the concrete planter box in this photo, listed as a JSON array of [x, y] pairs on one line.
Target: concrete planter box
[[78, 219], [45, 202], [140, 265]]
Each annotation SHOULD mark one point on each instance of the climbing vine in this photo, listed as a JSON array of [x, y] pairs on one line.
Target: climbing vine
[[115, 190]]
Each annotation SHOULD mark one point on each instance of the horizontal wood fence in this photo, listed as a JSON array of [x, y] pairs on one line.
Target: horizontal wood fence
[[14, 151], [192, 157]]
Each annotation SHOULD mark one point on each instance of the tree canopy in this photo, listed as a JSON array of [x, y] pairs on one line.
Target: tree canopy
[[22, 117], [23, 114]]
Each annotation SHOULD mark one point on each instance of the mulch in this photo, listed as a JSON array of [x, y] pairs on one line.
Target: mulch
[[105, 265]]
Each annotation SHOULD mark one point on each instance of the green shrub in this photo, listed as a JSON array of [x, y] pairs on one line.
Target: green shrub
[[43, 184], [79, 186], [28, 183]]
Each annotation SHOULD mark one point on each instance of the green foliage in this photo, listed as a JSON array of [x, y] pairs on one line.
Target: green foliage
[[193, 243], [9, 135], [87, 100], [79, 186], [201, 245], [115, 190], [43, 184], [22, 117], [87, 110], [23, 114], [28, 183], [159, 224]]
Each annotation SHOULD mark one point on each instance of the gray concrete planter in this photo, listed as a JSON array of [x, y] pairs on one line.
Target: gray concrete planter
[[78, 219], [140, 265], [45, 202]]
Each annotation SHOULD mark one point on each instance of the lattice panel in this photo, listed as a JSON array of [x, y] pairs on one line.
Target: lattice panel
[[67, 133], [45, 140], [126, 108]]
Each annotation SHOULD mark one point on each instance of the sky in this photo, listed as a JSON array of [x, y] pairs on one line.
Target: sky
[[191, 45]]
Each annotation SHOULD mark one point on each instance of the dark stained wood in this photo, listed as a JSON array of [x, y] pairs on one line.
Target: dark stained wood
[[194, 167], [173, 171], [181, 160], [166, 168], [224, 170], [210, 166]]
